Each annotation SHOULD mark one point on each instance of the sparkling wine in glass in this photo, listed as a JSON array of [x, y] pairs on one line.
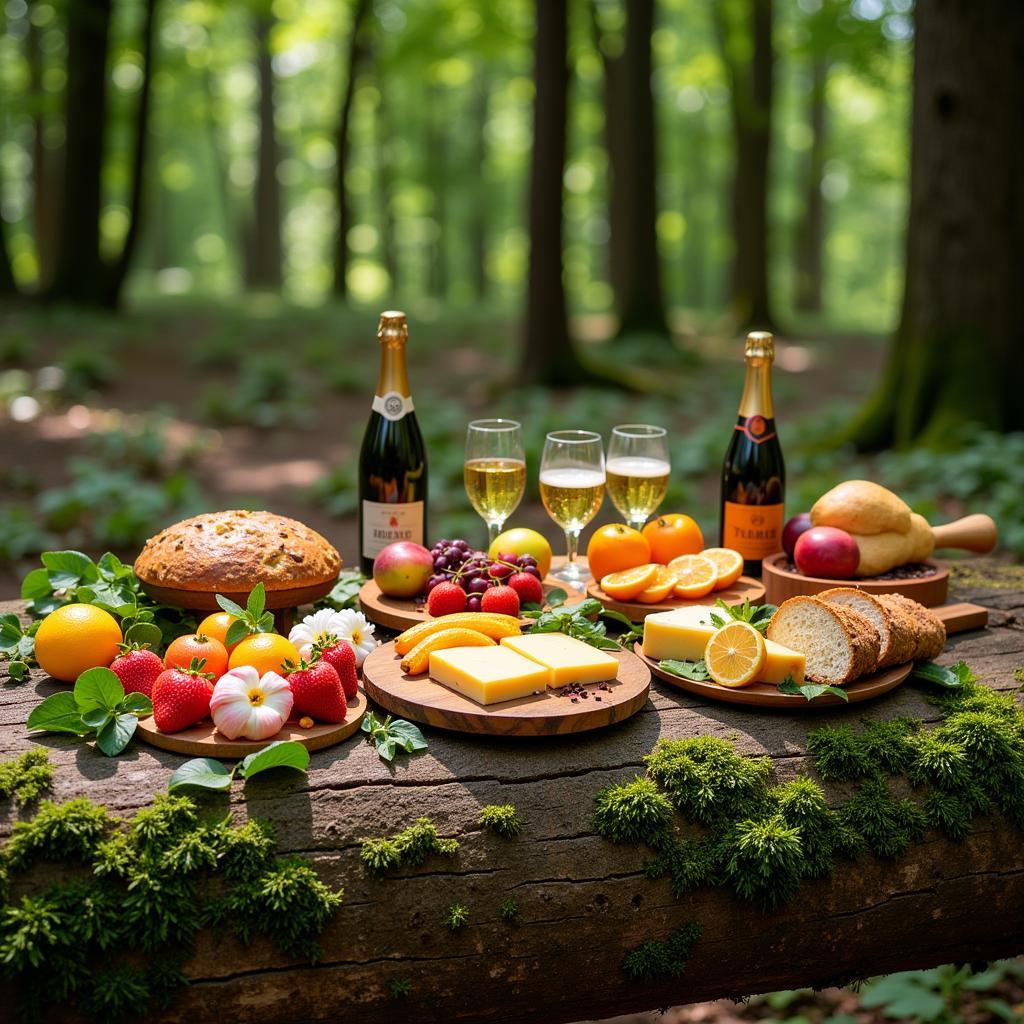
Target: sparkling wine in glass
[[637, 470], [494, 471], [572, 480]]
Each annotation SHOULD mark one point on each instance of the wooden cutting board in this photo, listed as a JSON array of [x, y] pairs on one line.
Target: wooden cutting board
[[746, 588], [420, 699]]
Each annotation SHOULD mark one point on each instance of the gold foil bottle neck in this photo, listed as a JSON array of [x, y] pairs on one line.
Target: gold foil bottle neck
[[393, 330], [760, 345]]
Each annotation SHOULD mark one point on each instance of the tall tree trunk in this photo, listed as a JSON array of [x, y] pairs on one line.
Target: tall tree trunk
[[79, 272], [696, 189], [481, 210], [956, 356], [8, 286], [547, 355], [810, 235], [265, 251], [119, 268], [746, 25], [357, 51], [437, 178], [385, 191], [45, 169]]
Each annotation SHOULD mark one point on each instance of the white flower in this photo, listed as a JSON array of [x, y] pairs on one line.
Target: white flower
[[321, 626], [245, 705]]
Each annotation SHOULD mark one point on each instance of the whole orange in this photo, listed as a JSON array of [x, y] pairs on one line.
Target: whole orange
[[216, 625], [672, 535], [74, 638], [180, 653], [266, 652], [616, 547]]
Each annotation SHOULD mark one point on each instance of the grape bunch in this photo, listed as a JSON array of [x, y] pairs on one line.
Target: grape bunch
[[456, 562]]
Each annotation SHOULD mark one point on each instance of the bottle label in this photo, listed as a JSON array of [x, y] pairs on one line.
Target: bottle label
[[757, 429], [393, 406], [386, 522], [755, 531]]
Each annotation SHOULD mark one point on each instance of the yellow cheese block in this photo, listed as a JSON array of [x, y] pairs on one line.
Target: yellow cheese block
[[682, 633], [566, 659], [487, 675], [780, 662]]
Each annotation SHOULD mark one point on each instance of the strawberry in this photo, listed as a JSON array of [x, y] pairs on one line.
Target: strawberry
[[317, 690], [446, 599], [181, 697], [137, 667], [502, 600], [527, 588], [342, 658]]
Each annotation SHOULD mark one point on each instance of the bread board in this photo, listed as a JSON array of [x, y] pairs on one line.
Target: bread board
[[746, 588], [206, 600], [203, 740], [420, 699], [764, 695]]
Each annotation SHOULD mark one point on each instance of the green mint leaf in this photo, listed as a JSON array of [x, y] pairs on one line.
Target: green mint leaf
[[98, 688], [696, 671], [345, 593], [610, 613], [939, 675], [36, 586], [112, 568], [237, 631], [116, 734], [408, 735], [58, 713], [386, 748], [257, 601], [282, 754], [96, 718], [136, 704], [203, 772], [717, 621], [555, 597], [963, 672], [809, 691], [17, 671], [586, 608], [230, 607], [530, 610], [265, 624], [66, 569], [144, 633]]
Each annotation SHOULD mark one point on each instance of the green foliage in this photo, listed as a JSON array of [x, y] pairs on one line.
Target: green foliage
[[662, 959], [888, 825], [632, 812], [25, 777], [458, 917], [509, 911], [765, 860], [399, 988], [801, 804], [408, 848], [690, 864], [502, 819], [68, 831], [840, 755]]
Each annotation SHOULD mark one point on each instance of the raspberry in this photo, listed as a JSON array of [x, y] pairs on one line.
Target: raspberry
[[446, 599], [527, 587], [503, 600]]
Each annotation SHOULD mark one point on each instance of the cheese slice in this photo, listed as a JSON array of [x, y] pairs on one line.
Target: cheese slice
[[487, 675], [780, 662], [566, 659], [682, 633]]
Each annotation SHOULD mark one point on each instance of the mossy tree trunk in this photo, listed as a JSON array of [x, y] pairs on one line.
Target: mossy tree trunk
[[810, 235], [956, 355]]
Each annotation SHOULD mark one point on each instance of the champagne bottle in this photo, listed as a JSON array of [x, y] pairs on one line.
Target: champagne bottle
[[753, 473], [392, 460]]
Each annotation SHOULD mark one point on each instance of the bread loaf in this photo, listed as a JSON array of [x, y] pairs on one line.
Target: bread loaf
[[860, 506], [839, 644], [929, 629], [897, 634], [880, 552]]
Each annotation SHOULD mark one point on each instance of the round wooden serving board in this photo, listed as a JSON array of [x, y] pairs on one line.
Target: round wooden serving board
[[203, 740], [206, 600], [746, 588], [780, 585], [420, 699], [764, 695]]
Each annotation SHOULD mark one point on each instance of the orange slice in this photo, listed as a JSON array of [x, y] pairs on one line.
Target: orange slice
[[729, 564], [735, 654], [660, 587], [695, 576], [625, 585]]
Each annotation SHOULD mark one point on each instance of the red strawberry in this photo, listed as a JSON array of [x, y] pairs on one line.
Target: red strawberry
[[137, 667], [527, 588], [181, 697], [446, 599], [317, 690], [503, 600], [342, 659]]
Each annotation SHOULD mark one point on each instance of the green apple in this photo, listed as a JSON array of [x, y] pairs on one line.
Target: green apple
[[521, 541]]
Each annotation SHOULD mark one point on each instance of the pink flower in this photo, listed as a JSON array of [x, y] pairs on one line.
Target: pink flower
[[245, 705]]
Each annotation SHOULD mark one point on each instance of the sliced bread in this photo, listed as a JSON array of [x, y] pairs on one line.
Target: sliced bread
[[929, 629], [839, 644], [896, 632]]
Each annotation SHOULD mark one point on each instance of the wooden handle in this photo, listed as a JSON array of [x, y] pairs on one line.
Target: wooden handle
[[976, 533]]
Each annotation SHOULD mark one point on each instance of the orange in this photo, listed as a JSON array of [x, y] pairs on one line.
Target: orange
[[672, 535], [735, 654], [616, 547], [729, 564], [695, 576], [266, 652], [74, 638], [180, 653], [660, 587], [216, 627], [625, 585]]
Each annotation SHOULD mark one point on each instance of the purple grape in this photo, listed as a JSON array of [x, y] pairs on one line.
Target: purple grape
[[499, 571], [478, 586], [440, 563], [473, 603], [460, 544], [433, 582], [532, 570], [443, 543], [527, 560]]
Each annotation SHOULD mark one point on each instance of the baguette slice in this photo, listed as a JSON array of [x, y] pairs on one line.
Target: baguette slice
[[929, 629], [896, 630], [839, 645]]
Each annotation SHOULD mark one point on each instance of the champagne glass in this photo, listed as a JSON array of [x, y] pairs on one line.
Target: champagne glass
[[572, 489], [638, 468], [495, 471]]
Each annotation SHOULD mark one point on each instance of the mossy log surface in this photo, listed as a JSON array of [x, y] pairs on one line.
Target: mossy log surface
[[583, 903]]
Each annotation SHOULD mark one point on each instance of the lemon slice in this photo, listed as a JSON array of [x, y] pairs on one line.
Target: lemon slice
[[729, 564], [625, 585], [735, 654], [695, 576]]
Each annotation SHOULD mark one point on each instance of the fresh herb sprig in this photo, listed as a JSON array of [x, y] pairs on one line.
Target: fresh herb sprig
[[392, 735], [951, 678], [97, 706], [758, 615], [578, 620], [810, 691], [17, 645], [696, 671], [209, 773], [253, 618]]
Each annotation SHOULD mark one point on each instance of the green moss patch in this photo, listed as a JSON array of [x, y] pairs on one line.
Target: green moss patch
[[408, 848], [632, 812], [501, 819], [25, 778], [662, 959]]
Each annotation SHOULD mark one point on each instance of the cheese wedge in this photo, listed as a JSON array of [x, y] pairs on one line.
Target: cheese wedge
[[566, 659], [780, 662], [682, 633], [488, 675]]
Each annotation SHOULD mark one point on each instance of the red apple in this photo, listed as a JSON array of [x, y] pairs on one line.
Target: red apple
[[402, 569], [827, 552], [795, 526]]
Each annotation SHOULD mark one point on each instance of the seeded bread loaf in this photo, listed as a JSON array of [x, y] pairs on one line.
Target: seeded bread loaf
[[839, 645], [929, 629], [232, 551], [897, 631]]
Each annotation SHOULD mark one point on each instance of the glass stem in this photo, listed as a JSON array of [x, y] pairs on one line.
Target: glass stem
[[572, 543], [493, 529]]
